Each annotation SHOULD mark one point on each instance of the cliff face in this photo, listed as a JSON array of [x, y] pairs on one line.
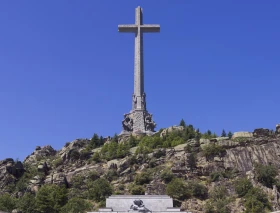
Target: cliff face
[[238, 157]]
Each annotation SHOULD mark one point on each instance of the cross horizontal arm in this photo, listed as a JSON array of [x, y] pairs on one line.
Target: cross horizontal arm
[[128, 28], [150, 28]]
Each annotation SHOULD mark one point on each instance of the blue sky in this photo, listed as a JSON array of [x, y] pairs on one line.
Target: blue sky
[[66, 72]]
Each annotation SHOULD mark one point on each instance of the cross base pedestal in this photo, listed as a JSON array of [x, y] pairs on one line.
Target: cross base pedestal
[[138, 121]]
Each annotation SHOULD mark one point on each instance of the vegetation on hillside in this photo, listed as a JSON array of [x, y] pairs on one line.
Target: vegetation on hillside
[[88, 192]]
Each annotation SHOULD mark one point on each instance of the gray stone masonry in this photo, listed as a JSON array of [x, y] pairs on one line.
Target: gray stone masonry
[[152, 203], [138, 120]]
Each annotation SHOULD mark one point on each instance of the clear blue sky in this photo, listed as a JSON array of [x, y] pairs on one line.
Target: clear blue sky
[[66, 72]]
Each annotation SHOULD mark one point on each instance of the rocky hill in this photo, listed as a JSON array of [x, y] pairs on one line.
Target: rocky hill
[[203, 173]]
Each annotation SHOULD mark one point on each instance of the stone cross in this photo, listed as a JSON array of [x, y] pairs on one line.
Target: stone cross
[[138, 120], [138, 29]]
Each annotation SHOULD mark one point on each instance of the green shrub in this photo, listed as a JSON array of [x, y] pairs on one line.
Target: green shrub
[[209, 207], [142, 149], [132, 160], [74, 155], [123, 150], [188, 148], [240, 139], [7, 203], [166, 175], [96, 157], [21, 185], [152, 163], [190, 133], [229, 173], [57, 162], [117, 193], [77, 182], [191, 161], [143, 178], [31, 171], [109, 151], [178, 190], [99, 189], [198, 190], [215, 176], [76, 205], [133, 141], [222, 206], [102, 204], [151, 142], [254, 206], [136, 190], [218, 202], [211, 150], [121, 187], [111, 175], [159, 153], [218, 193], [256, 201], [266, 174], [51, 198], [93, 175], [242, 186], [177, 141], [114, 150], [85, 154], [208, 135], [94, 142], [27, 203]]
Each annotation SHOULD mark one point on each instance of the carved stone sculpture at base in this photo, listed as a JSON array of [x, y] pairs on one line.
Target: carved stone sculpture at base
[[138, 121], [127, 123], [150, 125], [139, 206]]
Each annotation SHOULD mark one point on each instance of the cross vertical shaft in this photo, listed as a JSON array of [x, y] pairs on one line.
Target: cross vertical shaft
[[138, 120], [138, 29], [138, 60]]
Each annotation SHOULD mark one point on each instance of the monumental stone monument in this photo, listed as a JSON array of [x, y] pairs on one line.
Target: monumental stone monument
[[138, 120], [139, 203]]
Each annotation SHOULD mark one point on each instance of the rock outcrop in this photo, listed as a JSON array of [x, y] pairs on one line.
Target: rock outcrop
[[242, 135], [187, 161], [171, 129], [39, 154], [76, 145], [10, 171]]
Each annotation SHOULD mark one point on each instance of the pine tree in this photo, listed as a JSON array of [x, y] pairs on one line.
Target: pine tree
[[224, 134], [7, 203], [50, 198], [115, 138], [182, 123], [192, 161], [230, 134], [101, 141], [99, 189], [133, 141], [77, 205], [94, 142], [96, 157], [27, 203]]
